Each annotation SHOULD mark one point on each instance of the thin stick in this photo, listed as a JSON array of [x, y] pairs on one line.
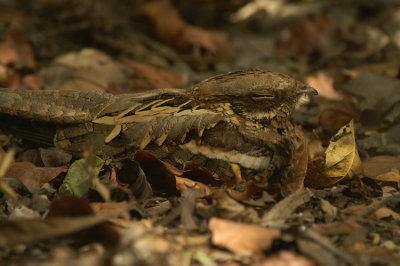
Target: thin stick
[[314, 236], [394, 198]]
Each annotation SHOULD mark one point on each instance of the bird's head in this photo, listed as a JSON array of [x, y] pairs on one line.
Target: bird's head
[[255, 95]]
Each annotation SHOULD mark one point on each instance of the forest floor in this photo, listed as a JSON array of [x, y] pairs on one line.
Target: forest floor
[[344, 208]]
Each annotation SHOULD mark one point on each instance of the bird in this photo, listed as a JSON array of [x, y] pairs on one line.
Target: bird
[[241, 117]]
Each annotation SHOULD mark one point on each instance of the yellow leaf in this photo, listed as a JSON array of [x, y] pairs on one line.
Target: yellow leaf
[[342, 159]]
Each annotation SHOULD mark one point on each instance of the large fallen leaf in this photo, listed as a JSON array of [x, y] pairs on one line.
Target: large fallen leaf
[[242, 238], [31, 175], [378, 95], [129, 172], [199, 173], [341, 160], [379, 165], [324, 84], [88, 69], [49, 157], [196, 43], [79, 176], [342, 157], [16, 50], [161, 179]]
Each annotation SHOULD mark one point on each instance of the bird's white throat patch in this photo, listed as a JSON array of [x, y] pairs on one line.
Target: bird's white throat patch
[[247, 161], [304, 98]]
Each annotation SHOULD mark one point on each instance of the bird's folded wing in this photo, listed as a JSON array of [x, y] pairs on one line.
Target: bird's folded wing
[[156, 122], [105, 122]]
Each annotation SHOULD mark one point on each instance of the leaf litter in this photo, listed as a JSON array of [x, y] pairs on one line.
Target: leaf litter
[[141, 210]]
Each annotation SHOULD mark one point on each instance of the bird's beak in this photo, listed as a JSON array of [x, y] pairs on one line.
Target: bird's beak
[[308, 90]]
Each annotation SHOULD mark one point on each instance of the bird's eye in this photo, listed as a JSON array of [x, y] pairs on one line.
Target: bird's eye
[[262, 97]]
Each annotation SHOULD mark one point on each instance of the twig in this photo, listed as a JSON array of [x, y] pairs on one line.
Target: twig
[[174, 214], [394, 198], [314, 236]]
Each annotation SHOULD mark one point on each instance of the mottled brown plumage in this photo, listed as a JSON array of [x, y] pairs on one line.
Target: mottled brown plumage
[[241, 117], [257, 106]]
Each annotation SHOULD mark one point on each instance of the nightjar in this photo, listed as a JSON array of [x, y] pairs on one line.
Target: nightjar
[[242, 117]]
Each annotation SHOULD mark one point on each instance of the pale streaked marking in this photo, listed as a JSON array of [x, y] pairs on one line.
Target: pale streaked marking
[[244, 160], [161, 139], [260, 115], [305, 98]]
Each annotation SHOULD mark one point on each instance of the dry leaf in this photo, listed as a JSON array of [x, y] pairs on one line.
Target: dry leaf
[[336, 228], [129, 172], [380, 213], [161, 179], [32, 175], [16, 50], [174, 31], [241, 238], [386, 212], [323, 83], [342, 157], [379, 165], [356, 209], [16, 62], [378, 95], [341, 160], [389, 176], [183, 183], [199, 173], [88, 70]]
